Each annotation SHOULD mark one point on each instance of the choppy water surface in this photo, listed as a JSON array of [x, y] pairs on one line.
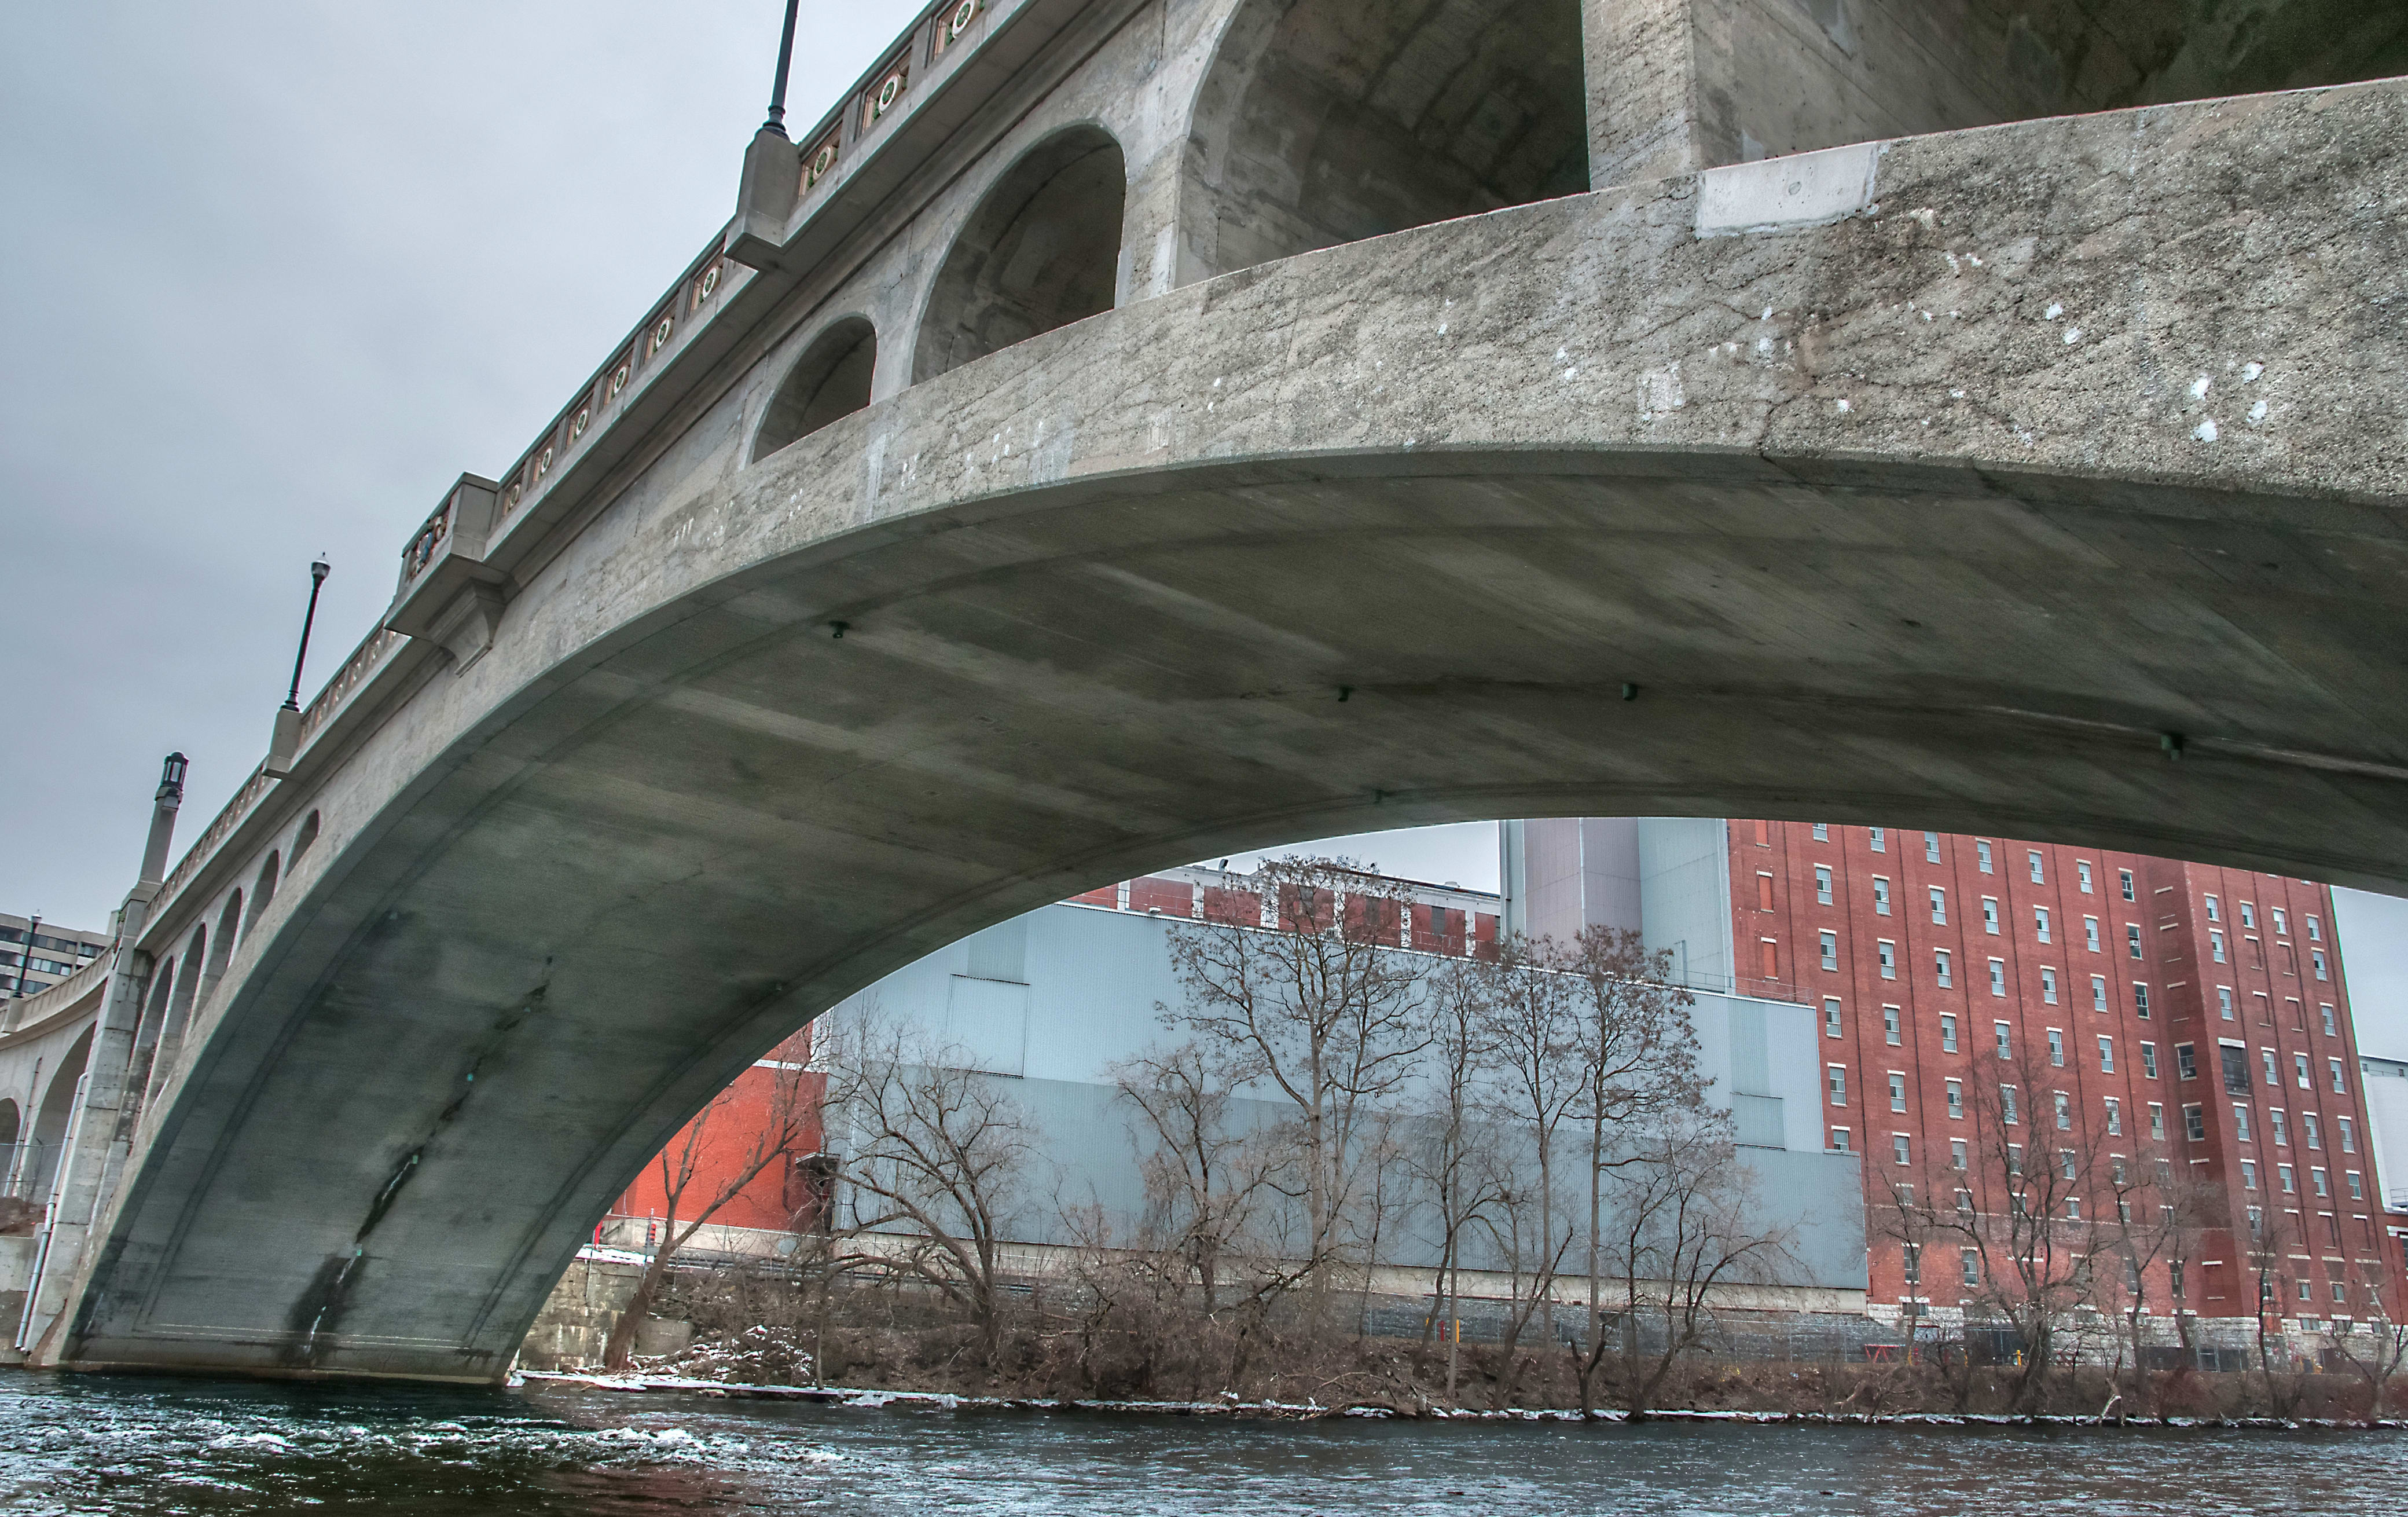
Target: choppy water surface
[[81, 1444]]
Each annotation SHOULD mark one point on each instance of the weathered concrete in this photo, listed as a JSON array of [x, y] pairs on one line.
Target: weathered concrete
[[1955, 481]]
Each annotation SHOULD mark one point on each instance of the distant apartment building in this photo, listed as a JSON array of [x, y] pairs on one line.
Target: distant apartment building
[[2386, 1119], [2175, 1010], [36, 956]]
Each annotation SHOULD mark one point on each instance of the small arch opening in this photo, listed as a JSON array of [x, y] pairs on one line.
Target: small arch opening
[[307, 835], [188, 984], [1042, 251], [829, 382], [229, 926], [9, 1123], [261, 892], [51, 1113], [1323, 122]]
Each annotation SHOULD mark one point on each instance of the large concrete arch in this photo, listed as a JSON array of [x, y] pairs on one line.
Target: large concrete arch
[[1040, 250], [1323, 122], [831, 380], [53, 1111], [2019, 488]]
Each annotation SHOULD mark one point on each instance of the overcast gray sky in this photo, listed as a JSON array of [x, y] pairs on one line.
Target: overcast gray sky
[[277, 273]]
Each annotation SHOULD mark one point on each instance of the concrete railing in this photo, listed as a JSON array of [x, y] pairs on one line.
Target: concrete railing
[[27, 1011]]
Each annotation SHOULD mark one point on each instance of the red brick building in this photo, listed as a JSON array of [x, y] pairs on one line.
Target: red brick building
[[2156, 1011]]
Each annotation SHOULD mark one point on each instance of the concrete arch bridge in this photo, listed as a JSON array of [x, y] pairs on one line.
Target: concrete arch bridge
[[1123, 433]]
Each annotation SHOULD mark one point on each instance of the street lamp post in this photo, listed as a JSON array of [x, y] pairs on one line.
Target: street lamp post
[[26, 959], [319, 569]]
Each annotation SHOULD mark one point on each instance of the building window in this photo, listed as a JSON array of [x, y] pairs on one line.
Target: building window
[[2224, 1002], [2039, 922], [2315, 932], [2133, 938], [2114, 1119], [1972, 1259], [2236, 1068], [1947, 1032], [2273, 1080], [1999, 977], [1888, 953], [1897, 1091], [1830, 1016], [2149, 1059], [2126, 877], [2249, 1174], [2072, 1207], [1764, 834], [1823, 884], [2282, 923], [1881, 896], [1763, 890], [1991, 916], [1822, 832], [1957, 1154], [2064, 1110], [1898, 1148], [2007, 1112], [1839, 1140], [2310, 1132], [2082, 871], [1830, 950], [2215, 947], [2282, 1127], [2000, 1028], [2214, 911], [2340, 1085], [2195, 1123], [2284, 1178], [2039, 876], [1836, 1078], [1981, 852], [2140, 1001], [2316, 1181], [2248, 914], [1939, 906], [2099, 993], [2257, 1223], [2317, 956], [2300, 1072], [2065, 1163], [2356, 1187], [2091, 933], [2106, 1055], [1768, 955], [1942, 966], [2331, 1028], [2240, 1123], [1890, 1029], [2015, 1158], [2186, 1063], [1956, 1101], [2056, 1047], [2158, 1122], [2348, 1135], [1878, 838]]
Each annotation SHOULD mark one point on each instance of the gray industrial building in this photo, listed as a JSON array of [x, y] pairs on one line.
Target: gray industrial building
[[1051, 999]]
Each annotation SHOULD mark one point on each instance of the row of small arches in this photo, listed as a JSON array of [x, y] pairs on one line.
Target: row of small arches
[[1320, 122]]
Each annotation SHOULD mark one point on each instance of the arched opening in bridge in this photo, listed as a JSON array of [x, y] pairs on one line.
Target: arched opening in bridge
[[307, 835], [831, 380], [51, 1115], [1042, 251], [188, 984], [261, 893], [1323, 122], [10, 1157], [229, 925]]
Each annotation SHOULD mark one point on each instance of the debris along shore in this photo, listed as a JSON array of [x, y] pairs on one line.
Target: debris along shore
[[836, 1395]]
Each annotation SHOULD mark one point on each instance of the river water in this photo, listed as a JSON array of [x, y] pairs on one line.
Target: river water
[[92, 1444]]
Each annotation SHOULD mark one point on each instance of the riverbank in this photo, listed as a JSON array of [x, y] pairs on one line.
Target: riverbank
[[864, 1398]]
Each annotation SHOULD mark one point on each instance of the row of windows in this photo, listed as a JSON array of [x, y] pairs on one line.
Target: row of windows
[[2286, 1180], [1877, 839], [2282, 919], [2234, 1062]]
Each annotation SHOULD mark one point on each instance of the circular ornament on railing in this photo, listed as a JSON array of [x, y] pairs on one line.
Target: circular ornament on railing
[[964, 14], [820, 162], [661, 333], [544, 463], [888, 91], [577, 423], [709, 281], [618, 381], [517, 490]]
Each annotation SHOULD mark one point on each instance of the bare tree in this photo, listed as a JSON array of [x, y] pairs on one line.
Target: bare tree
[[2378, 1348], [1537, 1079], [1636, 1052], [1322, 1014], [1204, 1177], [932, 1160], [1454, 1159], [1687, 1224], [725, 1148], [2152, 1220], [2268, 1241]]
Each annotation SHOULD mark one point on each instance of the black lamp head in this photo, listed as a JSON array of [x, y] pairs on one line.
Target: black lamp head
[[319, 569], [171, 777]]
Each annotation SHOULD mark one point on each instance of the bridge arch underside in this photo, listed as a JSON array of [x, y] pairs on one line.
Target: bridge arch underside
[[636, 884], [1371, 537]]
